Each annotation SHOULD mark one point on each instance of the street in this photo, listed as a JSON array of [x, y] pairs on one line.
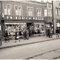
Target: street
[[42, 50]]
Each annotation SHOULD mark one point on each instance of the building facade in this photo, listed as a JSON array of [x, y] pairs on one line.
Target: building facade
[[56, 13], [16, 15]]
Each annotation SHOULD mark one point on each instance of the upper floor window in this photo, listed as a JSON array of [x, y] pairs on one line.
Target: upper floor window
[[7, 10], [18, 10], [30, 11], [45, 12], [49, 12], [38, 12], [57, 11]]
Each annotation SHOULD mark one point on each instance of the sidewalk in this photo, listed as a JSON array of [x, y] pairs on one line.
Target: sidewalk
[[21, 42]]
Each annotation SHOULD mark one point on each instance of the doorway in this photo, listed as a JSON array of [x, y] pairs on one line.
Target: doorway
[[30, 27]]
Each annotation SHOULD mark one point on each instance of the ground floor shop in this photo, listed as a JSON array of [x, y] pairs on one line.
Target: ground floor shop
[[58, 25], [10, 28]]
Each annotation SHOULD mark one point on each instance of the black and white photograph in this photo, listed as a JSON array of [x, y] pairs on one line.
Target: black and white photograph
[[30, 29]]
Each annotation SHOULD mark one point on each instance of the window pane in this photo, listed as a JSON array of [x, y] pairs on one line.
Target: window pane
[[49, 12], [45, 12], [9, 9], [30, 12], [38, 12], [9, 13], [5, 11], [16, 10], [19, 11]]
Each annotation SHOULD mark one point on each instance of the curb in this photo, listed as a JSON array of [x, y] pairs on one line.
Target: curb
[[27, 43]]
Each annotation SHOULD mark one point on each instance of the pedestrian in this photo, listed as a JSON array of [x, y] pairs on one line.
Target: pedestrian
[[57, 33], [6, 35], [48, 32], [19, 35], [15, 36], [27, 34], [51, 32]]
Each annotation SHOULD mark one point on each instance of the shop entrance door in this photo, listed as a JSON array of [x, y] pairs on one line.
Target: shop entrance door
[[30, 28], [29, 25]]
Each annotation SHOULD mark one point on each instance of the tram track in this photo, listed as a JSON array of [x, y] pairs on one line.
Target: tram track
[[36, 55]]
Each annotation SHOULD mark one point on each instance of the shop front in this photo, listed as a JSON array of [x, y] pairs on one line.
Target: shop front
[[11, 26]]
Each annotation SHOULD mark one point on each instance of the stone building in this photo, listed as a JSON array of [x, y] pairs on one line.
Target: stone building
[[56, 13], [16, 15]]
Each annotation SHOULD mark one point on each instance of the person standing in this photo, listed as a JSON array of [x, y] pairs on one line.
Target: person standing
[[48, 32], [15, 36], [27, 34], [57, 33], [6, 35]]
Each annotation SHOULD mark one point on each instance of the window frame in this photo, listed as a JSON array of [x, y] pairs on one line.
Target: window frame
[[17, 11], [40, 14], [30, 13]]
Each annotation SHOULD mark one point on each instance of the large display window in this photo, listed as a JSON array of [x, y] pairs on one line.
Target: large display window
[[12, 28], [39, 27]]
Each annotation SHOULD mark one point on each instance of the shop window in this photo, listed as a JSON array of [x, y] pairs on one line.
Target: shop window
[[58, 24]]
